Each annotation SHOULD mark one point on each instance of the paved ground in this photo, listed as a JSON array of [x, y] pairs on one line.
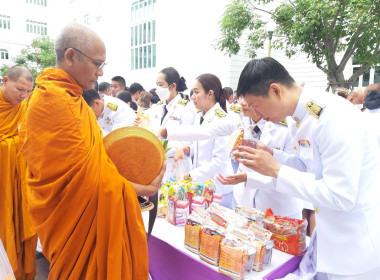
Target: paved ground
[[42, 269]]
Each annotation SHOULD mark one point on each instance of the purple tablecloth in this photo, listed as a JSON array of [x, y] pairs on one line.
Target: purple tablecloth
[[168, 263]]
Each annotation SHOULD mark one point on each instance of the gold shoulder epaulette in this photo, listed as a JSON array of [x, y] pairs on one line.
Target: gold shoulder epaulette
[[220, 113], [283, 122], [160, 102], [198, 111], [112, 106], [183, 102], [314, 108], [235, 108]]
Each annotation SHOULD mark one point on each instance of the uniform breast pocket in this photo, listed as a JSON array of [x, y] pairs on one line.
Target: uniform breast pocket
[[307, 154]]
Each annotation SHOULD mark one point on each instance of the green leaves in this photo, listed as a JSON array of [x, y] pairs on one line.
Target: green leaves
[[323, 29], [37, 56]]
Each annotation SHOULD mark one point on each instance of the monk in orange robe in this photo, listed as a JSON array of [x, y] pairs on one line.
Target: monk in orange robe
[[86, 214], [16, 232]]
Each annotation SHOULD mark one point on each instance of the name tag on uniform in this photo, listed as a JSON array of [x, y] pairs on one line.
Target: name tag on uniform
[[304, 143]]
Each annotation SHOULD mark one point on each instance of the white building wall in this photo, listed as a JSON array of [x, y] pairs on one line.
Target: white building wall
[[17, 38]]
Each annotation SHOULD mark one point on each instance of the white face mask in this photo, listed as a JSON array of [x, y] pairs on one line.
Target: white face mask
[[163, 93], [359, 106]]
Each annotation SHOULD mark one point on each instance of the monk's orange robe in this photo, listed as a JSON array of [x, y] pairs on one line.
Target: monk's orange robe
[[16, 231], [86, 214]]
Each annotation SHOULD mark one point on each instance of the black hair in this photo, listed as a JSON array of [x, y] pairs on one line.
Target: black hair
[[212, 82], [103, 86], [126, 96], [372, 100], [172, 76], [119, 79], [259, 74], [135, 87], [229, 90], [90, 96]]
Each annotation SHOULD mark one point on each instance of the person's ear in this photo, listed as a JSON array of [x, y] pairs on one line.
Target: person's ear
[[211, 93], [69, 56], [5, 80], [174, 87], [276, 90]]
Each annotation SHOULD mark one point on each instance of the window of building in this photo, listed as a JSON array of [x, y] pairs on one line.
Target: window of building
[[370, 76], [36, 27], [5, 22], [143, 50], [42, 3], [143, 34], [4, 54], [86, 19]]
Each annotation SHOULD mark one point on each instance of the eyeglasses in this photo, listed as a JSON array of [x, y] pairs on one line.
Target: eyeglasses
[[98, 64]]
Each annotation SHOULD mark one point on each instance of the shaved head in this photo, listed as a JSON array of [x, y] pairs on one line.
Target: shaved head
[[74, 35], [17, 71]]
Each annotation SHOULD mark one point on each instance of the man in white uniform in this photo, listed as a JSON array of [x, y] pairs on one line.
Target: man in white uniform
[[275, 135], [343, 170], [112, 113]]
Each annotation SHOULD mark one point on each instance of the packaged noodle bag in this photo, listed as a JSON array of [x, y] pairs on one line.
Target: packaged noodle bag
[[233, 257], [289, 235], [211, 236], [193, 232], [253, 214]]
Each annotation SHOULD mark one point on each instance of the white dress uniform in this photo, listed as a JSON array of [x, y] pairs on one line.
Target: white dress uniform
[[342, 182], [116, 114], [179, 112], [211, 156], [277, 137], [373, 122]]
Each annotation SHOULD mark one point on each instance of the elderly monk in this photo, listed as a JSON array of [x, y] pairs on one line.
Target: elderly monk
[[16, 231], [86, 214]]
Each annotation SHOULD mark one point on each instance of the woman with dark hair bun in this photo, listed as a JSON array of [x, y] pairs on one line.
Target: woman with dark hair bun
[[172, 110], [210, 156]]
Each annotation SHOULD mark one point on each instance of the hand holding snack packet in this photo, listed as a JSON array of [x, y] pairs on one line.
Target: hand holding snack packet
[[258, 160]]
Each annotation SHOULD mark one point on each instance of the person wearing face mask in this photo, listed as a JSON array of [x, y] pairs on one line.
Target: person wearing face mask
[[211, 155], [171, 111]]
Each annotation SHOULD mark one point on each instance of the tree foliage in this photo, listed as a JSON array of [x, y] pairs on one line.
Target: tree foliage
[[325, 30], [37, 56]]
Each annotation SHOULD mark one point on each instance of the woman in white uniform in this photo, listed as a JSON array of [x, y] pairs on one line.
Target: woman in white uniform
[[171, 111], [210, 156]]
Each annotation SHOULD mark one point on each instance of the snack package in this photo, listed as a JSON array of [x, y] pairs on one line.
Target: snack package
[[253, 214], [181, 212], [236, 140], [233, 257], [198, 202], [211, 237], [208, 191], [258, 261], [289, 235], [217, 198], [268, 252], [193, 232]]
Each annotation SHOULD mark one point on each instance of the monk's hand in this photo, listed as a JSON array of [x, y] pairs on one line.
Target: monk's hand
[[261, 146], [258, 160], [179, 154], [232, 179], [161, 132], [155, 185]]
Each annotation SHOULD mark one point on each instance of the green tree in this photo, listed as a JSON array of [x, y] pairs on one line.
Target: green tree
[[326, 30], [37, 56]]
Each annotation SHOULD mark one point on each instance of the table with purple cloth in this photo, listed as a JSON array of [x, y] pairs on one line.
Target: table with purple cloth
[[169, 260]]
